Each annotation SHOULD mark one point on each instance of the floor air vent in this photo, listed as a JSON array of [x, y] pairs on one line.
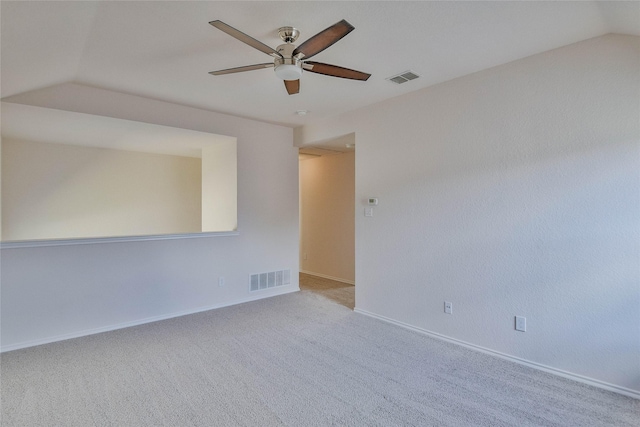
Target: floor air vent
[[271, 279], [403, 77]]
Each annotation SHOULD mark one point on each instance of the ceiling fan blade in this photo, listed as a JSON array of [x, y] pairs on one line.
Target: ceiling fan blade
[[323, 40], [293, 86], [335, 71], [245, 38], [241, 69]]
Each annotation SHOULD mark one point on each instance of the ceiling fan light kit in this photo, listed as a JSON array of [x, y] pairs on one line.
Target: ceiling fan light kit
[[288, 71], [288, 67], [289, 60]]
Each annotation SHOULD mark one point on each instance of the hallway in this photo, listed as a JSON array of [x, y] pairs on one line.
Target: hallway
[[339, 292]]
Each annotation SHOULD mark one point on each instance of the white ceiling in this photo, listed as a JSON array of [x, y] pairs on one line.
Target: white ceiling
[[164, 50]]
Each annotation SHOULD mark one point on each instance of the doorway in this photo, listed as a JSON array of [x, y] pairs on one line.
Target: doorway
[[327, 220], [339, 292]]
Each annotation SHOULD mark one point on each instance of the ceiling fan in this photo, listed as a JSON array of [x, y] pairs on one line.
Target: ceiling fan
[[289, 60]]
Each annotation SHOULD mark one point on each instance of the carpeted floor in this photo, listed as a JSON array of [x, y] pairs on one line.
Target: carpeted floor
[[297, 360], [342, 293]]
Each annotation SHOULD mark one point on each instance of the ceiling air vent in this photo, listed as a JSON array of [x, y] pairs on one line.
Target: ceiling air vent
[[403, 77]]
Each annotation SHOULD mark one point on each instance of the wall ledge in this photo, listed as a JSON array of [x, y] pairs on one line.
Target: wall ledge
[[100, 240]]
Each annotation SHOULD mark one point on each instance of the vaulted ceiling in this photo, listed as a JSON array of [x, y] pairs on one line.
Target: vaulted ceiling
[[164, 50]]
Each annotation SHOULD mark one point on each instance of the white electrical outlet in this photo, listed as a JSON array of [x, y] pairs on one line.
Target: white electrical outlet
[[448, 307], [521, 324], [305, 255], [220, 281]]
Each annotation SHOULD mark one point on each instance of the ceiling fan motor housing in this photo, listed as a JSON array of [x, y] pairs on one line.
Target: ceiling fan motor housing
[[287, 67], [288, 34]]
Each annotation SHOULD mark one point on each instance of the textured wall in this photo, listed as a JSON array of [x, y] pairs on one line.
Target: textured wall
[[56, 292], [511, 191], [327, 223]]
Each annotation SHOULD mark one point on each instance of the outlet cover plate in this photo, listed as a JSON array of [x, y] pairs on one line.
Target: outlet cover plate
[[448, 307]]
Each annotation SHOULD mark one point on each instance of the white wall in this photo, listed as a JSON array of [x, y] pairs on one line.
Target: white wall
[[220, 187], [512, 191], [1, 238], [59, 191], [327, 222], [54, 292]]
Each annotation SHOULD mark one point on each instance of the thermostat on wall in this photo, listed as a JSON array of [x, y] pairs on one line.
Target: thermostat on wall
[[373, 201]]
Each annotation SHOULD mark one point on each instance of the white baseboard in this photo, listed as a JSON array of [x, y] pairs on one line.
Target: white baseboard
[[325, 276], [575, 377], [83, 333]]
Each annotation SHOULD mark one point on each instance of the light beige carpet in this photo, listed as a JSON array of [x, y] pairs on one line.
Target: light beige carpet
[[342, 293], [295, 360]]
